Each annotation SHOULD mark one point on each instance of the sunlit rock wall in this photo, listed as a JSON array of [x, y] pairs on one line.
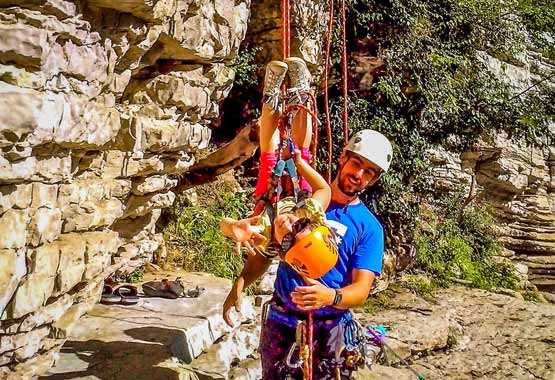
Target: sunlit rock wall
[[101, 102], [308, 24], [516, 179]]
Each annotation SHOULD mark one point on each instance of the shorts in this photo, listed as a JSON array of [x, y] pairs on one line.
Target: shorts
[[268, 161]]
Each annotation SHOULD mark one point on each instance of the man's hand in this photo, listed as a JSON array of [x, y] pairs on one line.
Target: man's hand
[[233, 299], [313, 296]]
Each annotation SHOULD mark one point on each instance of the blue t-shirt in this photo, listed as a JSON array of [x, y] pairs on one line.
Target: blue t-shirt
[[360, 246]]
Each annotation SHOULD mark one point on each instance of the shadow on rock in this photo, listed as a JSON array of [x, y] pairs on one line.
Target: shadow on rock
[[120, 360]]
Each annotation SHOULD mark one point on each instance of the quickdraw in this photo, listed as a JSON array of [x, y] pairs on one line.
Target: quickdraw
[[304, 344], [362, 346]]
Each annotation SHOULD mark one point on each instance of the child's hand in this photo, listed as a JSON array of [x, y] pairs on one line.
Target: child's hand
[[243, 232]]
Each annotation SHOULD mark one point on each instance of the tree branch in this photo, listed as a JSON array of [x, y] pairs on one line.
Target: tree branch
[[231, 155]]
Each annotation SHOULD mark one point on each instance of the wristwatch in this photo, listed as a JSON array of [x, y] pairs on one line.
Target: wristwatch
[[338, 298]]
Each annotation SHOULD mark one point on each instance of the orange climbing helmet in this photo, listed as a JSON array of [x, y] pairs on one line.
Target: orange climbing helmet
[[313, 255]]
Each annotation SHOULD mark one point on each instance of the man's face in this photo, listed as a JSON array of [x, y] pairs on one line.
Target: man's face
[[356, 173]]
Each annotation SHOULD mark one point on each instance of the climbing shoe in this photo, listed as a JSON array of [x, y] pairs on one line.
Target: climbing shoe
[[299, 78], [164, 288], [275, 73]]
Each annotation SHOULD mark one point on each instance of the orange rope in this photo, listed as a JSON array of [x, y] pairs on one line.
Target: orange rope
[[293, 107], [325, 86]]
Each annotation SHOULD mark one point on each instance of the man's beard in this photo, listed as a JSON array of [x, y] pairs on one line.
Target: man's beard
[[343, 188]]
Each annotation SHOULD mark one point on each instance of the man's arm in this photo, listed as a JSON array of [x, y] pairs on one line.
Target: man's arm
[[316, 295], [254, 268], [356, 293]]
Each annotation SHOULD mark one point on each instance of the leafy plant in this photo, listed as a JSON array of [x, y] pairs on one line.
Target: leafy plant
[[418, 284], [539, 18], [245, 67], [133, 277], [454, 245], [379, 301], [193, 230], [532, 296]]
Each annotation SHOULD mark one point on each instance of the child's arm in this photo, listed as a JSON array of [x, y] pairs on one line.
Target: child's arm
[[321, 191]]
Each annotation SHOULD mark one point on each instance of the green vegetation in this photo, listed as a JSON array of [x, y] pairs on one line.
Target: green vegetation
[[193, 230], [539, 18], [245, 68], [532, 296], [452, 337], [460, 244], [135, 276], [419, 284], [380, 301]]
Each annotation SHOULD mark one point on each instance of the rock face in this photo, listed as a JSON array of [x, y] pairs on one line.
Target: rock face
[[101, 102], [309, 23], [518, 180], [184, 338], [470, 334], [459, 334]]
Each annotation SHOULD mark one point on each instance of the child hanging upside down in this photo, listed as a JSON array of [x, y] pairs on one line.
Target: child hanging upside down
[[292, 228]]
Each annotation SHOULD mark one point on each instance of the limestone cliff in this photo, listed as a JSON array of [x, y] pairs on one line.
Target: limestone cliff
[[101, 102], [517, 180]]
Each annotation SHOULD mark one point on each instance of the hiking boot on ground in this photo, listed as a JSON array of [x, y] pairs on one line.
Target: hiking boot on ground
[[299, 80], [275, 73]]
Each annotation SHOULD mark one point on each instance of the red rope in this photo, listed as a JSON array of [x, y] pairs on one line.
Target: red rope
[[314, 136], [285, 29], [344, 73], [293, 107], [310, 340], [325, 86]]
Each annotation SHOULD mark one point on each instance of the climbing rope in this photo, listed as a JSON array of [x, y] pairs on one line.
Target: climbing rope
[[344, 73], [325, 87], [344, 81], [284, 127], [285, 28]]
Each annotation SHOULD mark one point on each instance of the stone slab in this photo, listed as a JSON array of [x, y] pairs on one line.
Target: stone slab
[[141, 341], [236, 346]]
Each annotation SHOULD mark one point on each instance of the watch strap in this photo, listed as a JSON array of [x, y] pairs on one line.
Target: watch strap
[[337, 298]]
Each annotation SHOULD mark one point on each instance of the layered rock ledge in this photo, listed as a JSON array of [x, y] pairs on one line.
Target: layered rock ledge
[[102, 102]]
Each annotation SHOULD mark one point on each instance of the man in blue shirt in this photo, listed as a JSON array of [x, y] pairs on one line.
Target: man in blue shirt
[[366, 156]]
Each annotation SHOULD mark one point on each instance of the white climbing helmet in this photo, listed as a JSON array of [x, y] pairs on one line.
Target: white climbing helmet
[[373, 146]]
